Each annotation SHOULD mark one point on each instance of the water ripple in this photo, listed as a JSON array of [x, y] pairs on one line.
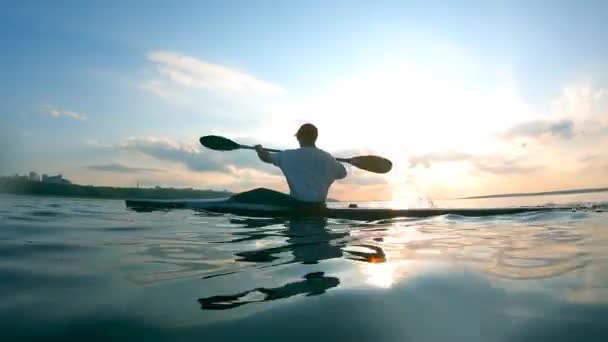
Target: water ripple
[[65, 259]]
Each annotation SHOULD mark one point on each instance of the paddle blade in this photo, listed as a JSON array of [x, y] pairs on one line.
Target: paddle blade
[[218, 143], [372, 163]]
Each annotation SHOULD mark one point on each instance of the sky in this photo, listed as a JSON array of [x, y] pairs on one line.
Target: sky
[[465, 98]]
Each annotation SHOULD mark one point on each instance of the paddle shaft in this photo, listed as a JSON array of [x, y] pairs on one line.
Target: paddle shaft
[[346, 160]]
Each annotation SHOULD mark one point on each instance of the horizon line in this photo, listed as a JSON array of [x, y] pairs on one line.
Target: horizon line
[[552, 192]]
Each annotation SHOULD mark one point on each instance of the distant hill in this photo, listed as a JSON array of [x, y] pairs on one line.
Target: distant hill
[[557, 192], [24, 186]]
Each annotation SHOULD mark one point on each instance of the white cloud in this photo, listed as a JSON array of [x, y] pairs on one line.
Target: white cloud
[[161, 90], [192, 72], [579, 112], [429, 158], [581, 102], [488, 163], [500, 165], [563, 129], [57, 113], [586, 106]]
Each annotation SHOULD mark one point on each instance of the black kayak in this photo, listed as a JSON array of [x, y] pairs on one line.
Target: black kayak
[[269, 203]]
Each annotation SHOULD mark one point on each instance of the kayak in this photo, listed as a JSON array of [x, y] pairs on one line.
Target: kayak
[[268, 203]]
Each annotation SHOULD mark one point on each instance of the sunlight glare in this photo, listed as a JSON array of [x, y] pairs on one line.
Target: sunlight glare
[[380, 274]]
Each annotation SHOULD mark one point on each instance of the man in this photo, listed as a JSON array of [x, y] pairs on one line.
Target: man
[[309, 170]]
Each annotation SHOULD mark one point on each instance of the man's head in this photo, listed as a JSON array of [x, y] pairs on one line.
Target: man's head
[[307, 134]]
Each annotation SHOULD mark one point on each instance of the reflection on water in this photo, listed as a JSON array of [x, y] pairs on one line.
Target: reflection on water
[[509, 247], [516, 247], [312, 285], [307, 240], [185, 275]]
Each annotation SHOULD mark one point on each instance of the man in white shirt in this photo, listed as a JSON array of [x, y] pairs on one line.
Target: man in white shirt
[[309, 170]]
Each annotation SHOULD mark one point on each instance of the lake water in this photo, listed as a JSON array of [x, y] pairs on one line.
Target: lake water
[[87, 270]]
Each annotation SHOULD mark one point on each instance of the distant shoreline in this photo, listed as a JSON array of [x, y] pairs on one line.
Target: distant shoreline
[[528, 194], [19, 186]]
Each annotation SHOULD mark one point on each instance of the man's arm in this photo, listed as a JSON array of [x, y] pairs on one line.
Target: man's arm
[[263, 154]]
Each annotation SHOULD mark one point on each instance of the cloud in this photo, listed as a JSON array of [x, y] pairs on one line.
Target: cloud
[[159, 89], [582, 101], [589, 158], [170, 150], [503, 166], [483, 163], [196, 73], [196, 158], [120, 168], [427, 159], [57, 113], [580, 110], [538, 128]]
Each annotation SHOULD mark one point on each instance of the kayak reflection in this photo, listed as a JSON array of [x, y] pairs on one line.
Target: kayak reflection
[[309, 241], [315, 283]]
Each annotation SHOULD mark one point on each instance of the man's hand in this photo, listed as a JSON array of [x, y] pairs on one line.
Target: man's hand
[[262, 154]]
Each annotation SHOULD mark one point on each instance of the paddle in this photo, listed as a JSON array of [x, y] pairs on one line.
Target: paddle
[[369, 163]]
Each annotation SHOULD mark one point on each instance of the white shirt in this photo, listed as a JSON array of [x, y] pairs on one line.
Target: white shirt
[[309, 171]]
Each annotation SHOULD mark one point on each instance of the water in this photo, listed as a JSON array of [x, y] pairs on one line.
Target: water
[[79, 269]]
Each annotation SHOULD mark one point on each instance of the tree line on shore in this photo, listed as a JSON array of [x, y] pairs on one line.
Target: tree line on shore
[[27, 187]]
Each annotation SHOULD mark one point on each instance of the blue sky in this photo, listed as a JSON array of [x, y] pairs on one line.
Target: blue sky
[[460, 87]]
